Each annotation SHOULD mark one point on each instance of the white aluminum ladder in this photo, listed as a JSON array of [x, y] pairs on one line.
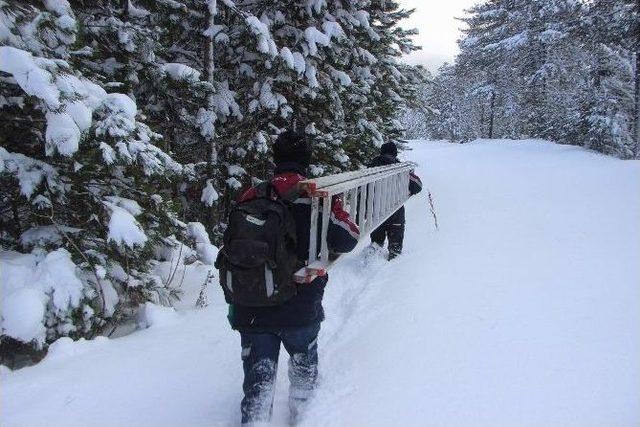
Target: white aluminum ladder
[[381, 191]]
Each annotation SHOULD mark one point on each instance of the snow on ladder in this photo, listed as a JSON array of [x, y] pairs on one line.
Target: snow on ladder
[[369, 195]]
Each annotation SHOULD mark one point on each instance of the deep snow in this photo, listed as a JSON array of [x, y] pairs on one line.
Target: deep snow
[[522, 310]]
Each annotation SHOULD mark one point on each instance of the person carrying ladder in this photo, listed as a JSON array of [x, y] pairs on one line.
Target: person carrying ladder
[[266, 241], [393, 228]]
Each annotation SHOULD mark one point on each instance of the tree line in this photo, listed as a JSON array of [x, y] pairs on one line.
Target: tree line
[[562, 70]]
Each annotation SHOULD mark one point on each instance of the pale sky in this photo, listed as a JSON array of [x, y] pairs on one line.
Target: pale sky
[[438, 29]]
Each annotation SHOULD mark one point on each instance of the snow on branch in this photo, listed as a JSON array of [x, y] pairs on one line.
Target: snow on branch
[[265, 41], [29, 173], [31, 284], [31, 74], [209, 194], [315, 37], [181, 72], [123, 228]]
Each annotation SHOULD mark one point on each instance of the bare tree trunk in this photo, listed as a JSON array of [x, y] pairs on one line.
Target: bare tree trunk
[[482, 133], [492, 109], [209, 66], [126, 58], [636, 109], [636, 130], [211, 215]]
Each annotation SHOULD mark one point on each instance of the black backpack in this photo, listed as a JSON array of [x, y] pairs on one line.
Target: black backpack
[[258, 258]]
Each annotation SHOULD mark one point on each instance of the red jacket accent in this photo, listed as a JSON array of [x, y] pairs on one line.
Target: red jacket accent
[[284, 182]]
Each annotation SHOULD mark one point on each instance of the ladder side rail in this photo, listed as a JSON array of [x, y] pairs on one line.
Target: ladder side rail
[[377, 203], [350, 176], [353, 202], [347, 177], [363, 209], [376, 195], [388, 204], [407, 182], [392, 192], [314, 189], [313, 231], [326, 217], [386, 195], [372, 194], [383, 194], [368, 203], [399, 192]]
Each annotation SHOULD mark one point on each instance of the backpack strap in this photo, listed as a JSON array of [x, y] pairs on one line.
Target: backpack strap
[[292, 194], [288, 197], [264, 190]]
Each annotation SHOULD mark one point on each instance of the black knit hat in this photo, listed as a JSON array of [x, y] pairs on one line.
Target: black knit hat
[[292, 147], [389, 148]]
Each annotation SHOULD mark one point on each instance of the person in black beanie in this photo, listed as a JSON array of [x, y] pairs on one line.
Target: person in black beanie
[[393, 228], [296, 322], [389, 149], [292, 147]]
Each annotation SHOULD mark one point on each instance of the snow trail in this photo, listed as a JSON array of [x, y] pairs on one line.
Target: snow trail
[[523, 310]]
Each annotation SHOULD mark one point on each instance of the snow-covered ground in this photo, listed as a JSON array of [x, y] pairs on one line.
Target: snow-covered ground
[[522, 310]]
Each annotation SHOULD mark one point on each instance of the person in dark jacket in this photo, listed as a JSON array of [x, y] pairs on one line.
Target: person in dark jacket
[[296, 323], [393, 228]]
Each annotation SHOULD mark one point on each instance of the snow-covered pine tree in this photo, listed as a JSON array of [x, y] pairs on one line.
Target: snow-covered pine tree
[[521, 53], [452, 114], [395, 82], [82, 195], [610, 31], [323, 80], [230, 33], [300, 87], [184, 64], [609, 106], [482, 63], [152, 50], [415, 115]]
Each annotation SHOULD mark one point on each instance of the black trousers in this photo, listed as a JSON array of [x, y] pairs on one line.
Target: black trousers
[[260, 349], [394, 232]]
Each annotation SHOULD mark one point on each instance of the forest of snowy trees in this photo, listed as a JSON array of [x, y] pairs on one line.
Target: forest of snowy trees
[[129, 126], [562, 70]]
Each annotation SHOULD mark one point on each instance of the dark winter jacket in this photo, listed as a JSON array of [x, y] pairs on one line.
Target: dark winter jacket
[[415, 185], [305, 307]]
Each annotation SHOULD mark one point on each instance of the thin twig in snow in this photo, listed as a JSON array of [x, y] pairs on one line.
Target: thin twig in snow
[[433, 210]]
